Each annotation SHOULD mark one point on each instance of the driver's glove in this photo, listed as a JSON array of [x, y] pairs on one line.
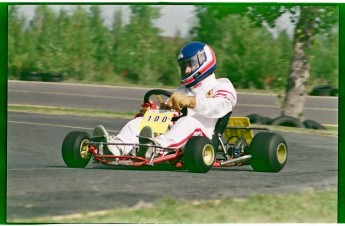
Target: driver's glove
[[178, 101]]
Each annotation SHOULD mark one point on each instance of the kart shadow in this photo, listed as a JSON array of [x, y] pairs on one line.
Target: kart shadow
[[141, 168], [231, 169], [157, 168], [169, 168], [154, 168]]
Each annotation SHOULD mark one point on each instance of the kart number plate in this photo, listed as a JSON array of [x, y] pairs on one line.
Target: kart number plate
[[158, 120]]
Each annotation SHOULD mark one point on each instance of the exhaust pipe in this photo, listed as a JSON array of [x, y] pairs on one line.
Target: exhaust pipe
[[236, 160]]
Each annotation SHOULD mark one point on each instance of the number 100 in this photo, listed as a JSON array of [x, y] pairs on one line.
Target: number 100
[[156, 118]]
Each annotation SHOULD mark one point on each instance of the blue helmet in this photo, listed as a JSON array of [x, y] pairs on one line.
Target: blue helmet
[[200, 59]]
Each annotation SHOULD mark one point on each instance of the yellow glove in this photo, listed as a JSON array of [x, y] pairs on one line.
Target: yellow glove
[[178, 101]]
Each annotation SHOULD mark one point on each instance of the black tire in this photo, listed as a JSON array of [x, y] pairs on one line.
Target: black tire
[[199, 154], [287, 121], [75, 150], [52, 77], [265, 120], [311, 124], [254, 118], [335, 92], [323, 90], [269, 152], [30, 76]]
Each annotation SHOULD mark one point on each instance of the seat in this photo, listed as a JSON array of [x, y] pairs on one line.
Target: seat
[[219, 129], [239, 127]]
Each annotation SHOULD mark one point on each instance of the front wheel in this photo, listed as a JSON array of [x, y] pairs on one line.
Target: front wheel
[[269, 152], [75, 149], [199, 154]]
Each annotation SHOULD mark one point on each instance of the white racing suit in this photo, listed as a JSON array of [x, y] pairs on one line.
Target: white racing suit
[[214, 99]]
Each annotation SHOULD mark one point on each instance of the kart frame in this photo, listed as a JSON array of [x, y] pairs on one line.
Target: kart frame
[[170, 156], [233, 144]]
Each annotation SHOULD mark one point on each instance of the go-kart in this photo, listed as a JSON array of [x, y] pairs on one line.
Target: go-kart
[[233, 144]]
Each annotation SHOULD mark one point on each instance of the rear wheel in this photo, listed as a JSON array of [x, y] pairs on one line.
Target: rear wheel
[[75, 149], [199, 154], [269, 152]]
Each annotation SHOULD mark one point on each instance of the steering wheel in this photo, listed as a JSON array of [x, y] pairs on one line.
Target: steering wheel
[[161, 100]]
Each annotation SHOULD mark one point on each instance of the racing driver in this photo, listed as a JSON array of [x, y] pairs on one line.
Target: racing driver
[[206, 98]]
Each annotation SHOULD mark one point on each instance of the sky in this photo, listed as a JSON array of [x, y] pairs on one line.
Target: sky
[[173, 17]]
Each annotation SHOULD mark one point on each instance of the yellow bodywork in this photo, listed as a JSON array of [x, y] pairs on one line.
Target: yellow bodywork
[[245, 133], [158, 120]]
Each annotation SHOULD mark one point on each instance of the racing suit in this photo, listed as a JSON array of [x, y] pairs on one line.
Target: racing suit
[[214, 99]]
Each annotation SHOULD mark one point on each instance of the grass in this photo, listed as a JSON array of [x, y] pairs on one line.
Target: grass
[[68, 111], [307, 207]]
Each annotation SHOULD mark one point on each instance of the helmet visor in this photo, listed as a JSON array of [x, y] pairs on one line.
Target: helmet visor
[[190, 65]]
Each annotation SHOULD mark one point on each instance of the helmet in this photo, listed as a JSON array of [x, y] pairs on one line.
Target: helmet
[[201, 60]]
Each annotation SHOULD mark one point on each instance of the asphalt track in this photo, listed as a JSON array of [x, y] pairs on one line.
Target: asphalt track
[[127, 99], [39, 184]]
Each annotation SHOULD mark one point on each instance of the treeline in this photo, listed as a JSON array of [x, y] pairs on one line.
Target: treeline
[[79, 44]]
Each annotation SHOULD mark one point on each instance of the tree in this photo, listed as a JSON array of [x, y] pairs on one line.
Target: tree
[[101, 43], [168, 71], [44, 24], [62, 36], [325, 60], [79, 46], [140, 51], [118, 40], [312, 21], [309, 21], [17, 55], [250, 56]]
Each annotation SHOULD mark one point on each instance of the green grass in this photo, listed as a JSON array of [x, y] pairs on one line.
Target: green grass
[[307, 207], [68, 111]]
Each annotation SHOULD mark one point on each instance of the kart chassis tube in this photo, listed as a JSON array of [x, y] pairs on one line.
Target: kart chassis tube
[[132, 144], [140, 161], [143, 161], [104, 159], [233, 162]]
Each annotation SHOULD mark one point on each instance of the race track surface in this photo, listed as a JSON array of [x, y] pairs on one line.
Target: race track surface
[[39, 184], [127, 99]]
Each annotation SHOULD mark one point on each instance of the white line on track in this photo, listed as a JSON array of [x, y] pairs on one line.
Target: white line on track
[[277, 106], [79, 84], [76, 95], [139, 99], [42, 168], [55, 125], [141, 88]]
